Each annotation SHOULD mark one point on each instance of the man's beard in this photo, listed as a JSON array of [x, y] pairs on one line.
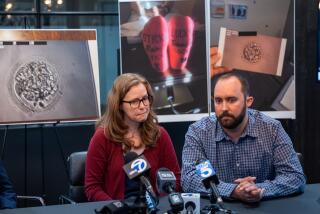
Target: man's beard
[[234, 122]]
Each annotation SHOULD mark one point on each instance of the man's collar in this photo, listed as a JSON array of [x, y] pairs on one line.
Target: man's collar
[[220, 134], [251, 129]]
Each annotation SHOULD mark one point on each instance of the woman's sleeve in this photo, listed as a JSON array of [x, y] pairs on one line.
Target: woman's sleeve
[[169, 157], [96, 163]]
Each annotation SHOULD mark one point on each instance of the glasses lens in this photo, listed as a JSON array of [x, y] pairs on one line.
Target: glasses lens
[[135, 103], [145, 101]]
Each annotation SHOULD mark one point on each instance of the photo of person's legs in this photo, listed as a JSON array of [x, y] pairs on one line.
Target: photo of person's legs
[[181, 30], [155, 42]]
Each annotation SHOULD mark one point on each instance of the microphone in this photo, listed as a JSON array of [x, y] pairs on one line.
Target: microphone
[[135, 167], [192, 203], [209, 179], [190, 207], [166, 182]]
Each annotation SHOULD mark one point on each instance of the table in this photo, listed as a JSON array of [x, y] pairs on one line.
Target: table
[[307, 203]]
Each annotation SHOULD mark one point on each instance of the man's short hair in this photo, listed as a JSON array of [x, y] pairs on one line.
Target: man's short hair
[[245, 88]]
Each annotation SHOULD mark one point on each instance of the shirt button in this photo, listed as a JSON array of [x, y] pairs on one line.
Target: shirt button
[[237, 164]]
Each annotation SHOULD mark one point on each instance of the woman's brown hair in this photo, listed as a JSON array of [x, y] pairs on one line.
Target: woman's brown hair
[[112, 119]]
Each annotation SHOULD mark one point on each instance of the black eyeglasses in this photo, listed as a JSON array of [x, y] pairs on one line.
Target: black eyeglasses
[[146, 100]]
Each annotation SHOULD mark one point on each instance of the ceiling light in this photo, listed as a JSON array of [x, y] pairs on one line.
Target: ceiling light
[[47, 2], [8, 6]]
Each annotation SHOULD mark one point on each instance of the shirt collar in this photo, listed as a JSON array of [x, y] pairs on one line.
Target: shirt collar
[[220, 134], [250, 130]]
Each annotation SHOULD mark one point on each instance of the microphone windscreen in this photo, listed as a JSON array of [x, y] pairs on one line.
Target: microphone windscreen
[[201, 160], [190, 204], [130, 156], [191, 199], [163, 169], [166, 180]]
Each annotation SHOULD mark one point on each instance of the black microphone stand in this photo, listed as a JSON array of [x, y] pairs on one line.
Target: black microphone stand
[[137, 203], [140, 202], [216, 206]]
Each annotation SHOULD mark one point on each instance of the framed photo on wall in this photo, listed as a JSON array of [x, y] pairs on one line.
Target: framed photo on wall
[[260, 46], [167, 42]]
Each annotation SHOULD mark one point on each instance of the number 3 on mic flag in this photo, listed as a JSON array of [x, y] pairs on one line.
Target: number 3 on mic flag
[[205, 169]]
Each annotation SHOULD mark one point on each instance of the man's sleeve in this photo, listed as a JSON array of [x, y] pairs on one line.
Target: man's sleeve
[[289, 177], [193, 152]]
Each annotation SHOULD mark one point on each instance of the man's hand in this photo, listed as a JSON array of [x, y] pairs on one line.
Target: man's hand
[[246, 190], [249, 179]]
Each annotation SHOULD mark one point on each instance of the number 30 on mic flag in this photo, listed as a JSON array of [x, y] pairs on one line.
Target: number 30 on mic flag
[[205, 169]]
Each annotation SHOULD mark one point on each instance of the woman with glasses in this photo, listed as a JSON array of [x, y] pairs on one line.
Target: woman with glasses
[[129, 124]]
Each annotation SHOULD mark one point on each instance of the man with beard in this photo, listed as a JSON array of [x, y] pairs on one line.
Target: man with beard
[[252, 154]]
